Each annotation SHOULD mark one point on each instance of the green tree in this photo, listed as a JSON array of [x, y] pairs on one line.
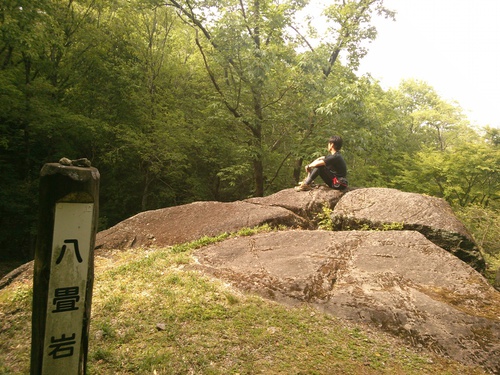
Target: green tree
[[466, 174], [448, 159], [251, 58], [35, 37], [484, 223], [430, 119]]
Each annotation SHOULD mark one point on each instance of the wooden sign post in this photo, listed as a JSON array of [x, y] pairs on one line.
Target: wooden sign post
[[64, 268]]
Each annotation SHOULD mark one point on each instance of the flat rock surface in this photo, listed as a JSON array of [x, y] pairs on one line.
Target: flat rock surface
[[179, 224], [381, 207], [397, 281]]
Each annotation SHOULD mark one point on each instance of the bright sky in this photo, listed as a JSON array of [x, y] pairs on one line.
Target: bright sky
[[453, 45]]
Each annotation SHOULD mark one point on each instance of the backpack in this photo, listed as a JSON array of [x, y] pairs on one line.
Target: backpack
[[340, 183]]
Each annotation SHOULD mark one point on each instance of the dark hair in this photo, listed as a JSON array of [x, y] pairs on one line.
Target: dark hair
[[337, 142]]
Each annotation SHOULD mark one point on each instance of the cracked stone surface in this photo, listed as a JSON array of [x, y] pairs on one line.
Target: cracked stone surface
[[306, 204], [397, 281], [379, 208]]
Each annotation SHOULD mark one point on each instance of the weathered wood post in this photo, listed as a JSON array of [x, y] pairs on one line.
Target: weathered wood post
[[64, 267]]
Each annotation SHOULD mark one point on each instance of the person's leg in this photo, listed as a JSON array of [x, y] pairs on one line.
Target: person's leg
[[312, 176], [307, 183], [325, 174]]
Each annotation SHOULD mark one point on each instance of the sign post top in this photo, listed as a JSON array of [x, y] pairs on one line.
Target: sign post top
[[75, 172]]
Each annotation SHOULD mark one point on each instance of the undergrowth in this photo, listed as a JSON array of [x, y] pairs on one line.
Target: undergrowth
[[325, 222]]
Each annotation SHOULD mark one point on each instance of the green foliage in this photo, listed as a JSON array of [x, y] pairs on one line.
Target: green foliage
[[250, 51], [324, 218], [325, 222], [466, 174], [484, 223], [393, 226], [214, 106], [205, 240], [351, 25], [179, 103]]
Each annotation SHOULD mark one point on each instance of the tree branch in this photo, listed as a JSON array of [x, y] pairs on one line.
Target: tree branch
[[232, 109], [302, 37], [269, 185], [245, 17]]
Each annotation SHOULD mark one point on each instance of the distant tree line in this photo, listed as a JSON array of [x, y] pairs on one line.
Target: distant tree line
[[177, 101]]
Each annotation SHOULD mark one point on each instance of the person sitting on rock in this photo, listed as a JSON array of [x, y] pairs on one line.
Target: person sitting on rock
[[331, 168]]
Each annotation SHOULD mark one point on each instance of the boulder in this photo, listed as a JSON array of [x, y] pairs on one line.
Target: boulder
[[175, 225], [307, 204], [382, 209], [397, 281], [23, 272]]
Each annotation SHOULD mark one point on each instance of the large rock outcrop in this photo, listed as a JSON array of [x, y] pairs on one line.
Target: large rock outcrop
[[371, 208], [381, 208], [409, 281], [175, 225], [394, 280]]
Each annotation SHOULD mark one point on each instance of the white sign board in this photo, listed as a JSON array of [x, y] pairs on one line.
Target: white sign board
[[67, 286]]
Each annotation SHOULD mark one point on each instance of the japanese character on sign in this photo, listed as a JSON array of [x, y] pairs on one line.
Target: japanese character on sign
[[63, 250], [66, 299], [62, 347]]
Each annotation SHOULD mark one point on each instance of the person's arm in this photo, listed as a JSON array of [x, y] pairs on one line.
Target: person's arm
[[319, 162]]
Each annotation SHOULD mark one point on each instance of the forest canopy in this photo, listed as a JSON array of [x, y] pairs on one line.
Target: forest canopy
[[176, 101]]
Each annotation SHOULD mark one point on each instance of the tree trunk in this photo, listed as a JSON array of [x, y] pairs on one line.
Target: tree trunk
[[26, 118], [258, 165], [259, 178], [145, 192], [297, 169]]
